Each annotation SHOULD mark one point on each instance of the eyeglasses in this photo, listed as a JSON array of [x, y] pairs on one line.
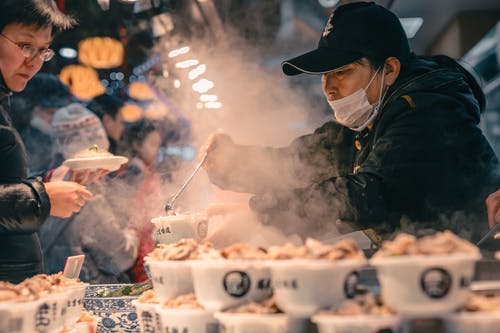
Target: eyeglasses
[[29, 51]]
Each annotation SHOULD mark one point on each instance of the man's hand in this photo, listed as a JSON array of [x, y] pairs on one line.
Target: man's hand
[[493, 206], [66, 197]]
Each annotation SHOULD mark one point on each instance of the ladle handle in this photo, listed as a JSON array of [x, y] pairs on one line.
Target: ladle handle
[[170, 205]]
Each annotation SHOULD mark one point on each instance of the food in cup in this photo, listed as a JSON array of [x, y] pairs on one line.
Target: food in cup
[[184, 314], [238, 276], [444, 242], [314, 249], [481, 314], [314, 276], [170, 268], [257, 317], [184, 249], [362, 314], [426, 276]]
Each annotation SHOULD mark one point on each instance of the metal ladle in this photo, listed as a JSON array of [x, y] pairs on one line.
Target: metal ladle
[[170, 205]]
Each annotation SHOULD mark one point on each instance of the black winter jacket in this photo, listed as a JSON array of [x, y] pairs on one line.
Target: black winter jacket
[[24, 206], [423, 165]]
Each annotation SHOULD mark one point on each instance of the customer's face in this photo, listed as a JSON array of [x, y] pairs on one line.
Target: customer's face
[[15, 68], [148, 151], [346, 80]]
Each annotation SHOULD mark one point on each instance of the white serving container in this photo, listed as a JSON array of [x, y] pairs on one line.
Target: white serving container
[[425, 285], [220, 284], [303, 286], [172, 228], [187, 320], [148, 316], [253, 323], [354, 324], [170, 278]]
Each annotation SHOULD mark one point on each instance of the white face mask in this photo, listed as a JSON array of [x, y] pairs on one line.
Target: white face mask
[[355, 111]]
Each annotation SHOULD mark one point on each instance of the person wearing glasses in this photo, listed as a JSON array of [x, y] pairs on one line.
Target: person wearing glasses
[[402, 152], [26, 28]]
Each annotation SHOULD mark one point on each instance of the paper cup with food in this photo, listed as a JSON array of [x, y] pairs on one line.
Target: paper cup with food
[[428, 276], [184, 314], [239, 277], [76, 294], [172, 228], [362, 314], [146, 307], [258, 317], [481, 314], [170, 267], [314, 276], [18, 309]]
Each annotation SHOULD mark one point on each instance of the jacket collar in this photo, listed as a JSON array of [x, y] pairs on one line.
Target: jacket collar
[[4, 90]]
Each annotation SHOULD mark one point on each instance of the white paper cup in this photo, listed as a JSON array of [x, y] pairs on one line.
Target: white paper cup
[[76, 294], [425, 285], [171, 229], [220, 284], [302, 287], [354, 324], [51, 312], [252, 323], [187, 320], [148, 316], [170, 278], [477, 322], [18, 317]]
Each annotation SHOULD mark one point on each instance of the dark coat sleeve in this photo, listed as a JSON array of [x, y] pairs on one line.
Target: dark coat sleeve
[[24, 204], [309, 158]]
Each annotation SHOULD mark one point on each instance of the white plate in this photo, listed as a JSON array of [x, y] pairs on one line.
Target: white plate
[[111, 163]]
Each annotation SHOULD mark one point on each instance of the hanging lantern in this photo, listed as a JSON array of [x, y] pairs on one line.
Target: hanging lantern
[[101, 52]]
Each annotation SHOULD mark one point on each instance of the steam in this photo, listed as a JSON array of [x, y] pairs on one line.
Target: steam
[[259, 107]]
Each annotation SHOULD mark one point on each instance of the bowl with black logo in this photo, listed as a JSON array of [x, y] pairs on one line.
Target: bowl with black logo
[[303, 286], [170, 278], [426, 285], [223, 283]]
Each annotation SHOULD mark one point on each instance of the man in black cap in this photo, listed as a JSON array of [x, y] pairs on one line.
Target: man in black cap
[[403, 152]]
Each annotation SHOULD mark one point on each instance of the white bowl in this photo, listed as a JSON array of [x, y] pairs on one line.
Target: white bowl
[[51, 313], [76, 294], [18, 317], [148, 316], [172, 228], [187, 320], [354, 324], [425, 285], [253, 323], [477, 322], [170, 278], [220, 284], [303, 286]]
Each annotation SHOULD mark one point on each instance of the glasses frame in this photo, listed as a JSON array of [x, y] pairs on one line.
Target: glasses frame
[[29, 51]]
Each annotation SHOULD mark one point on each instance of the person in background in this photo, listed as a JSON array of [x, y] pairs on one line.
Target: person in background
[[403, 153], [493, 208], [110, 248], [108, 109], [143, 139], [26, 28], [47, 94]]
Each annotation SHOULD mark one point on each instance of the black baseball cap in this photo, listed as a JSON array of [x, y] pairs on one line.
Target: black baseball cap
[[353, 31]]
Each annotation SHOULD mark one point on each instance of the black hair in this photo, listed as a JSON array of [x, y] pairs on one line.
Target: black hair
[[105, 104], [39, 13], [137, 132]]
